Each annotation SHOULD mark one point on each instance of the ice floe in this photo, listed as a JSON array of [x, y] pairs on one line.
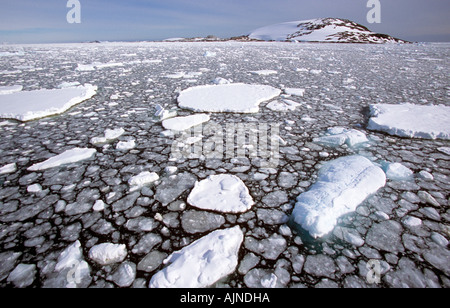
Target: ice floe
[[222, 193], [283, 105], [10, 89], [143, 179], [110, 135], [71, 270], [202, 263], [184, 123], [31, 105], [343, 184], [68, 157], [264, 72], [126, 145], [338, 136], [295, 91], [237, 97], [108, 253], [412, 121], [10, 168], [397, 171]]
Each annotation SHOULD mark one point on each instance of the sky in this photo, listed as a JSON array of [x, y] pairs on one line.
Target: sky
[[44, 21]]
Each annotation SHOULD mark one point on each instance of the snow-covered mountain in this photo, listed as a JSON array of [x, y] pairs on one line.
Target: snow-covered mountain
[[321, 30]]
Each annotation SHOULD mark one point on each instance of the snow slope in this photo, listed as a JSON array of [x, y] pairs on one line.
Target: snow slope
[[321, 30]]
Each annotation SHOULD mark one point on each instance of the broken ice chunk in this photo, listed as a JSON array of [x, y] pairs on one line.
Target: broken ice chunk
[[10, 168], [142, 179], [185, 123], [68, 157], [343, 184], [202, 263], [338, 136], [222, 193], [397, 172], [108, 253]]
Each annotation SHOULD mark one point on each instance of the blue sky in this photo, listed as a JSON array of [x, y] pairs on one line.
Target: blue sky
[[44, 21]]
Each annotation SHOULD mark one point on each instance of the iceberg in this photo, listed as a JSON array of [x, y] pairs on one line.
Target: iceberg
[[343, 184], [411, 121], [237, 97], [202, 263]]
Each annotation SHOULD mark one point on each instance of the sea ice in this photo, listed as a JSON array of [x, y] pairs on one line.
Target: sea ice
[[397, 172], [31, 105], [412, 121], [338, 136], [164, 114], [142, 179], [237, 97], [10, 168], [342, 185], [184, 123], [108, 253], [264, 72], [126, 145], [68, 157], [294, 91], [223, 193], [110, 134], [10, 89], [202, 263], [283, 105], [71, 270], [23, 275]]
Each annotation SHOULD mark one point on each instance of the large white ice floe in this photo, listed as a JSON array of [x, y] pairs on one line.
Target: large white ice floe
[[412, 121], [31, 105], [343, 184], [236, 97], [184, 123], [222, 193], [202, 263], [68, 157]]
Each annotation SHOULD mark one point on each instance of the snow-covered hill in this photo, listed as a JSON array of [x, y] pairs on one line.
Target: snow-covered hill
[[321, 30]]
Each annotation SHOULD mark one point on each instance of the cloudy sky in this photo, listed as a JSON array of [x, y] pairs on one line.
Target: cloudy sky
[[44, 21]]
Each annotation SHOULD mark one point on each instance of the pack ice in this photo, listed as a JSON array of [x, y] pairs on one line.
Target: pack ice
[[342, 185], [32, 105], [237, 97], [222, 193], [202, 263], [412, 121]]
